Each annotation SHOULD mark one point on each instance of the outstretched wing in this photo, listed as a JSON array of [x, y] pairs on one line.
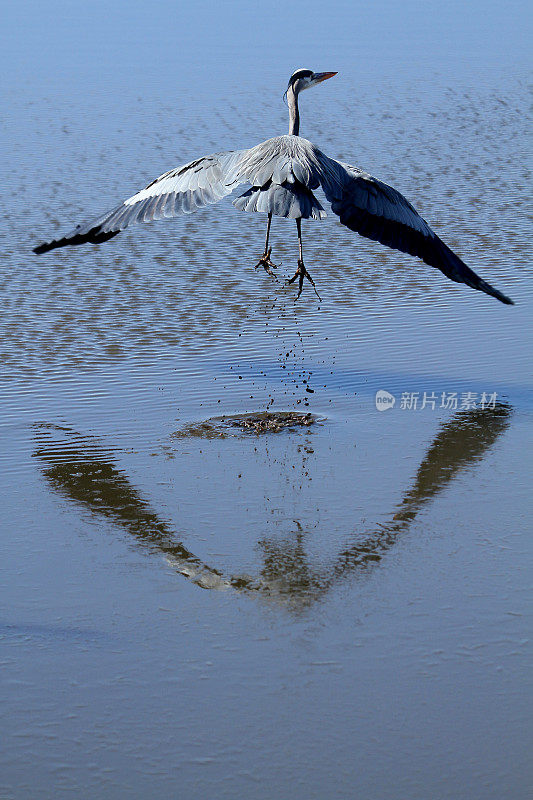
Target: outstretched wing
[[180, 191], [379, 212]]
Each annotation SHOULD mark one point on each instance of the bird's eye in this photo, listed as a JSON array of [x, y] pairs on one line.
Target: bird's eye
[[303, 74]]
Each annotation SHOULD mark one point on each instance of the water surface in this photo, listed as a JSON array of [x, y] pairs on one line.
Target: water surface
[[336, 610]]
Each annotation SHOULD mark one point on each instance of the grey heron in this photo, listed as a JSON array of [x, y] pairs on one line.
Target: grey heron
[[282, 174]]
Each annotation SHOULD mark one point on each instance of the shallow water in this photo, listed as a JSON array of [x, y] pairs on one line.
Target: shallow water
[[339, 610]]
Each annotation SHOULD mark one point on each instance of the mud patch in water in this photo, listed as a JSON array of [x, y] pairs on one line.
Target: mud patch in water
[[251, 423]]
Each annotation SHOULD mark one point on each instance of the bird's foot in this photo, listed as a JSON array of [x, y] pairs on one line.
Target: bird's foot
[[302, 273], [266, 263]]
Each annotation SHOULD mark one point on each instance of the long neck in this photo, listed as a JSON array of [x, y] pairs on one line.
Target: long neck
[[294, 115]]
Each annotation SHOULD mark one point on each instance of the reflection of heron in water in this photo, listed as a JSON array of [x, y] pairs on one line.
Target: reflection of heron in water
[[79, 469], [282, 174]]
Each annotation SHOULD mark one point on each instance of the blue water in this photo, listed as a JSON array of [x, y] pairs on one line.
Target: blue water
[[341, 610]]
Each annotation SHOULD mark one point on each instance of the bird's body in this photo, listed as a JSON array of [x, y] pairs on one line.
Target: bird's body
[[282, 174]]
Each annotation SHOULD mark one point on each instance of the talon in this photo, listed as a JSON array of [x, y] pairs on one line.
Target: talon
[[302, 273], [266, 263]]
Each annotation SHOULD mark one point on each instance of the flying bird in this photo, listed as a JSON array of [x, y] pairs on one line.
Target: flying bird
[[282, 174]]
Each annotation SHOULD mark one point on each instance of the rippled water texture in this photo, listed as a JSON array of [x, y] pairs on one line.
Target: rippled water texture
[[225, 573]]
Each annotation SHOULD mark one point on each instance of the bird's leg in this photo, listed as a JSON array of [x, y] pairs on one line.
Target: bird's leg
[[265, 261], [301, 272]]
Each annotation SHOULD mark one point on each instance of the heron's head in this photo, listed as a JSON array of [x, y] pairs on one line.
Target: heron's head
[[305, 78]]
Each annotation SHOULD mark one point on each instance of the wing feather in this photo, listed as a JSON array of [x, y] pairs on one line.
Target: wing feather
[[179, 191], [379, 212]]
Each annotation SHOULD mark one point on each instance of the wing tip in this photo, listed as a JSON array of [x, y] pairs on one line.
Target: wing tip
[[504, 299], [94, 236], [490, 290], [45, 247]]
